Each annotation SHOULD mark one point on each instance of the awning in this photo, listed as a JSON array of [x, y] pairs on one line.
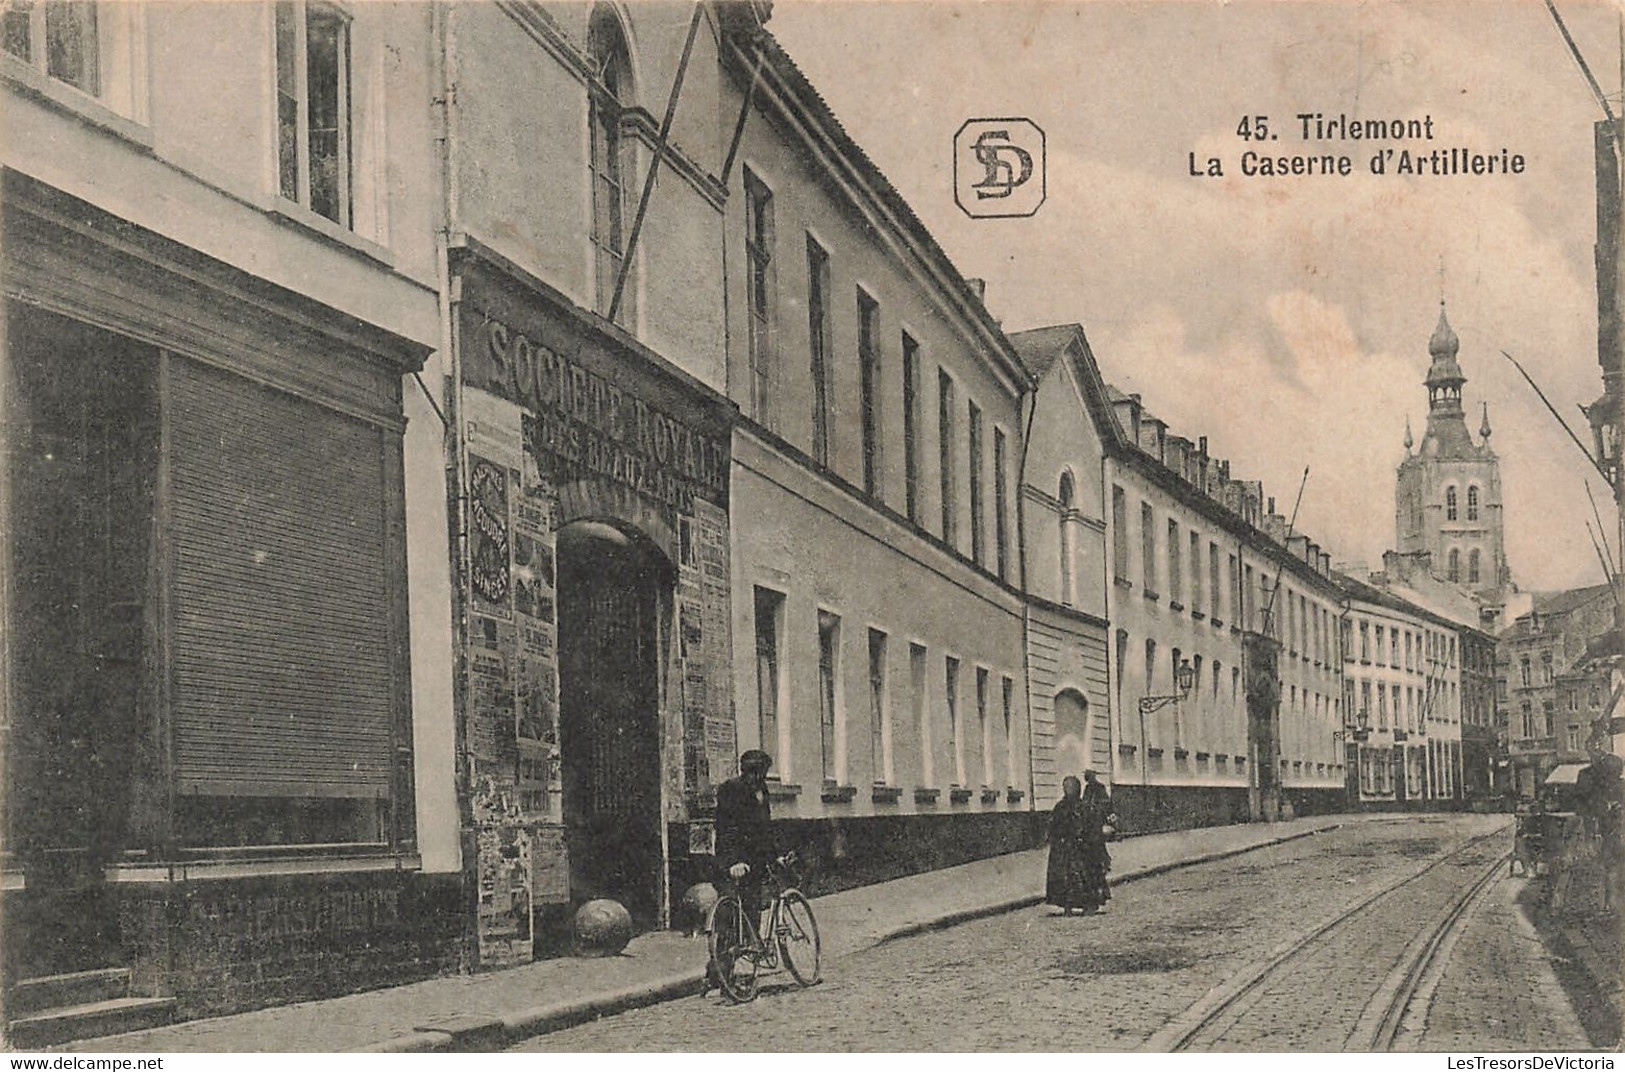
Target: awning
[[1566, 774]]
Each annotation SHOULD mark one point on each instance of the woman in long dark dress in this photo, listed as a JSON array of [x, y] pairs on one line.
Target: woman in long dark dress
[[1067, 882], [1097, 862]]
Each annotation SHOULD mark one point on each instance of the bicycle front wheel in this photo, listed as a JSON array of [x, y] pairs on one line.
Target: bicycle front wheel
[[798, 938], [732, 944]]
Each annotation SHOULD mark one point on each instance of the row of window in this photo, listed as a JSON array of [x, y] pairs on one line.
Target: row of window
[[1422, 650], [993, 696], [972, 453], [1190, 566], [1214, 709], [80, 43], [1413, 707], [1526, 675]]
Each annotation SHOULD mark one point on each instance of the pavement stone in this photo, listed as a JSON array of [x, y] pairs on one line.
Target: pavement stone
[[480, 1012]]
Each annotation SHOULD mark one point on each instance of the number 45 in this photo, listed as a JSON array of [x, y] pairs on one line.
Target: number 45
[[1253, 127]]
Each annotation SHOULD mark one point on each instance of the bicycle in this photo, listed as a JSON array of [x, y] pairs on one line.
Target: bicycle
[[738, 952]]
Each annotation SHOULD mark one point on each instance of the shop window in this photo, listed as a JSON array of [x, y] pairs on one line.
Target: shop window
[[313, 108], [609, 95], [818, 333], [769, 680]]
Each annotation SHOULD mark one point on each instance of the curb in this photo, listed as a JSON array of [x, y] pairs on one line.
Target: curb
[[471, 1034]]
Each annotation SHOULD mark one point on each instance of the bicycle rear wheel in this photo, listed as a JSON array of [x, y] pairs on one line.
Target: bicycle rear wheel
[[732, 944], [798, 938]]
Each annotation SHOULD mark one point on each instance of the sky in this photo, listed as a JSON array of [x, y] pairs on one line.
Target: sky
[[1287, 319]]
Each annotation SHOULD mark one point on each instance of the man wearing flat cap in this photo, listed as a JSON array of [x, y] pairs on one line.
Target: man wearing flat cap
[[744, 831]]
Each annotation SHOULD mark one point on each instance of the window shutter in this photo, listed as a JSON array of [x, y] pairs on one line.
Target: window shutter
[[282, 669]]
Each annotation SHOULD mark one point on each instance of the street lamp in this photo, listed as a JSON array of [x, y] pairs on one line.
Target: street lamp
[[1356, 730], [1185, 680]]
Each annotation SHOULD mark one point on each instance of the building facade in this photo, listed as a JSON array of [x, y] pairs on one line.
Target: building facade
[[1063, 546], [590, 464], [1553, 693], [227, 686], [1402, 682], [877, 616], [1205, 573]]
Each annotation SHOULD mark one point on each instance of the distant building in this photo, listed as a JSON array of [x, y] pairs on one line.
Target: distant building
[[1447, 498], [1402, 685], [1554, 671], [1204, 573]]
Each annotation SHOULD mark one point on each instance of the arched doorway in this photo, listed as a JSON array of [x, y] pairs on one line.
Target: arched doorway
[[1073, 751], [613, 591]]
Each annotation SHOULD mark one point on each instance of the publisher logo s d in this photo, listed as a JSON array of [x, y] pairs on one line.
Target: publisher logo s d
[[999, 168]]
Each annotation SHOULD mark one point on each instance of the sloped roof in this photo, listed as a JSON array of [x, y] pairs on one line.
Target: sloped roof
[[1039, 348], [1563, 602]]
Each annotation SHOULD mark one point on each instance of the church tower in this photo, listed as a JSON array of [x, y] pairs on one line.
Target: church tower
[[1447, 498]]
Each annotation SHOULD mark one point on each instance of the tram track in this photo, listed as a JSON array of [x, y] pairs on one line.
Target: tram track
[[1389, 1011]]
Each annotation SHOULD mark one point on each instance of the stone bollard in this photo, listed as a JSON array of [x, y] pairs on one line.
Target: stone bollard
[[602, 928]]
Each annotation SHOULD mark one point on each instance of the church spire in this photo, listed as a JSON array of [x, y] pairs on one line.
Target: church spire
[[1444, 378], [1484, 425], [1409, 441]]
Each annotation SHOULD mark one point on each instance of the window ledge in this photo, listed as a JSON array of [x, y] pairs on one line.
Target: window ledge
[[1154, 753], [1203, 757], [65, 98], [924, 795], [1126, 749], [1174, 604], [297, 215], [886, 794], [1151, 595], [958, 795], [1216, 622], [1180, 753], [990, 795], [782, 790], [1013, 795], [838, 794], [1122, 582], [1241, 761], [1197, 615]]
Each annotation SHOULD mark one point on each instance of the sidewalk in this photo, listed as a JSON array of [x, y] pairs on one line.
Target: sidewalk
[[488, 1011]]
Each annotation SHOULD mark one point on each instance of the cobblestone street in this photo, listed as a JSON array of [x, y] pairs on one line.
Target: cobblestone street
[[1032, 980]]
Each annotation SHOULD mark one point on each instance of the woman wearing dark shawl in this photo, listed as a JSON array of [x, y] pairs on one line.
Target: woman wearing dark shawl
[[1074, 878], [1097, 862]]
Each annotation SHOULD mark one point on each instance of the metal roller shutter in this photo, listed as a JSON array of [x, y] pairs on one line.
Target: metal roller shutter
[[281, 661]]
